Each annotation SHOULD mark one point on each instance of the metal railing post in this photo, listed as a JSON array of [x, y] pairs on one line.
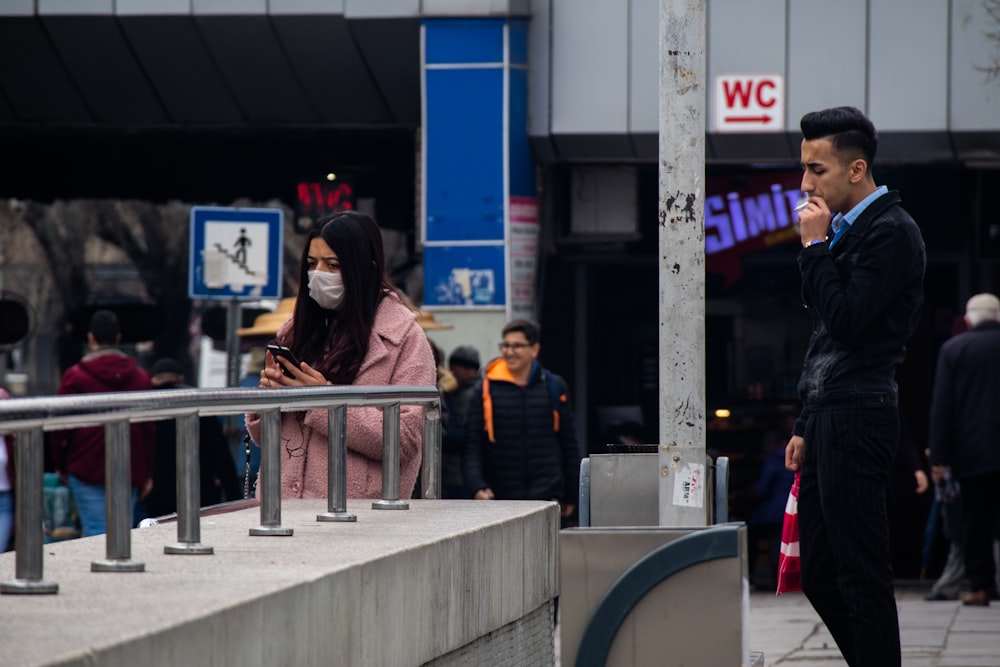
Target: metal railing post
[[116, 411], [188, 489], [390, 461], [270, 472], [336, 419], [117, 501], [430, 470], [28, 458], [721, 486]]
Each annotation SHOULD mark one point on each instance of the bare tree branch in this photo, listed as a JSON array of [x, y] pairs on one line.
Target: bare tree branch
[[992, 70]]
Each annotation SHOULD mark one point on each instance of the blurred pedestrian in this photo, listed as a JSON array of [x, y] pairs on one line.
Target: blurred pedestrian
[[7, 485], [520, 433], [947, 503], [964, 423], [349, 327], [905, 502], [464, 365], [256, 337], [78, 454], [767, 519], [862, 266], [217, 471]]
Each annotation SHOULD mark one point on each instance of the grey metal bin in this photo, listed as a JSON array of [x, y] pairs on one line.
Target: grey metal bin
[[635, 593]]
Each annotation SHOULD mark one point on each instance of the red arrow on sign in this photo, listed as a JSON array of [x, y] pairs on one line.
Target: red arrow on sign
[[748, 119]]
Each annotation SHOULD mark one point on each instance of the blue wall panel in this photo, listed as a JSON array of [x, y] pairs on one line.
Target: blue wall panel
[[472, 89], [518, 41], [522, 163], [465, 198], [458, 41]]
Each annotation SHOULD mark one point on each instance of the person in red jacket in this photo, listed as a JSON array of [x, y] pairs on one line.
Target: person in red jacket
[[7, 486], [78, 454]]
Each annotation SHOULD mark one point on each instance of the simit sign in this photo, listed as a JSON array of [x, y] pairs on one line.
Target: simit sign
[[749, 102], [747, 212]]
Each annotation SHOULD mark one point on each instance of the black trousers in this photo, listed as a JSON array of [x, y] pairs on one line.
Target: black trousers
[[980, 526], [844, 529]]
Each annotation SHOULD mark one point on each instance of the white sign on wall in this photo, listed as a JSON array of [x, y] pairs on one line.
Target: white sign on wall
[[235, 253], [749, 103]]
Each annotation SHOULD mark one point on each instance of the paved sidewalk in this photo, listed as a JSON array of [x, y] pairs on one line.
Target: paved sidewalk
[[933, 634]]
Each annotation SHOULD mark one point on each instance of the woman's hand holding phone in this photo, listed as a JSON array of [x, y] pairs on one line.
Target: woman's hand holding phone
[[280, 351], [282, 368]]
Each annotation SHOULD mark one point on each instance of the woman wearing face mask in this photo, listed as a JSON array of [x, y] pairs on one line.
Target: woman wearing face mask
[[348, 327]]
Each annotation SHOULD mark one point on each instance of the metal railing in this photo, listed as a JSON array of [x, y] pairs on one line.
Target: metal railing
[[28, 418]]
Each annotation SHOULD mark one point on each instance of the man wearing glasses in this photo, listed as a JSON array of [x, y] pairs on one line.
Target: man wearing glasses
[[520, 437]]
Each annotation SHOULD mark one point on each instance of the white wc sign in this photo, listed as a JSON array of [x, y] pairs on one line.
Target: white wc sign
[[749, 103]]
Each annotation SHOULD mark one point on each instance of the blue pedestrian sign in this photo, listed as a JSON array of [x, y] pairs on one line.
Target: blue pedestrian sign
[[235, 253]]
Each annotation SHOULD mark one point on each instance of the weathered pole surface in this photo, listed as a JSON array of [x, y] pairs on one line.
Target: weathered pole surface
[[682, 459]]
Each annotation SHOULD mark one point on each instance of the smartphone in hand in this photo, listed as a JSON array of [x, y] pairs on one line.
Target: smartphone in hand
[[282, 351]]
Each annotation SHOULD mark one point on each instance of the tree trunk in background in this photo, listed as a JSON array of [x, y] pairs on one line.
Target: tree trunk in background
[[64, 256], [77, 253]]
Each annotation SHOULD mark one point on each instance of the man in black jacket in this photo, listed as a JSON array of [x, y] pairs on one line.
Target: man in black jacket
[[862, 267], [464, 365], [520, 437], [964, 428]]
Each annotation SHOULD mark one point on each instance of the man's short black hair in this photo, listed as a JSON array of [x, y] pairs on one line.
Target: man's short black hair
[[104, 327], [530, 330], [850, 131]]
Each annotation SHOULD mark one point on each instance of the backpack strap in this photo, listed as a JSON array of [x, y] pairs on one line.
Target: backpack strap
[[555, 397], [488, 409]]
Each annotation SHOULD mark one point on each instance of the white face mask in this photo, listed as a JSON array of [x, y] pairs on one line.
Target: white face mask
[[326, 289]]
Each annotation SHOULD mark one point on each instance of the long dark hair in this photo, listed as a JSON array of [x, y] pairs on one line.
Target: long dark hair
[[335, 342]]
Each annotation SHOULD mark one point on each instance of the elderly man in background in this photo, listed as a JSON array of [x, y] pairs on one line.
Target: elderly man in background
[[964, 423]]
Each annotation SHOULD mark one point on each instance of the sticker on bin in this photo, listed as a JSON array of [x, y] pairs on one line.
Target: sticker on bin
[[688, 482]]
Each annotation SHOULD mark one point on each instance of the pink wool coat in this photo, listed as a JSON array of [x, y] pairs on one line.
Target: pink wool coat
[[398, 354]]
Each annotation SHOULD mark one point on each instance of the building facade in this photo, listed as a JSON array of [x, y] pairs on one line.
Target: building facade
[[512, 146]]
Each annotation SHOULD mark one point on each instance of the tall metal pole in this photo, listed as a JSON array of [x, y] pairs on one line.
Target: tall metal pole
[[682, 460], [232, 344]]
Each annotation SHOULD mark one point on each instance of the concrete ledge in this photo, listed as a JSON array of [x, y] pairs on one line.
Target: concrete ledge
[[395, 588]]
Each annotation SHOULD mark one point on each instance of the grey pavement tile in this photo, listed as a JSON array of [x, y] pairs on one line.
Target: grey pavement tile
[[822, 639], [966, 661], [822, 653], [919, 661], [920, 652], [977, 623], [928, 613], [917, 637], [983, 642]]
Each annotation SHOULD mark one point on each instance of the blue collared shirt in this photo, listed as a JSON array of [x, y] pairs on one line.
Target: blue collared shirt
[[842, 222]]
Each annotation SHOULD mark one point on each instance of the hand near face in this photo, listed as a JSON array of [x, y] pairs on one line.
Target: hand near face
[[814, 220], [272, 375]]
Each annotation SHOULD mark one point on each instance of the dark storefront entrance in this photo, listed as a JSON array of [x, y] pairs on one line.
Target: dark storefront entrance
[[755, 329]]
